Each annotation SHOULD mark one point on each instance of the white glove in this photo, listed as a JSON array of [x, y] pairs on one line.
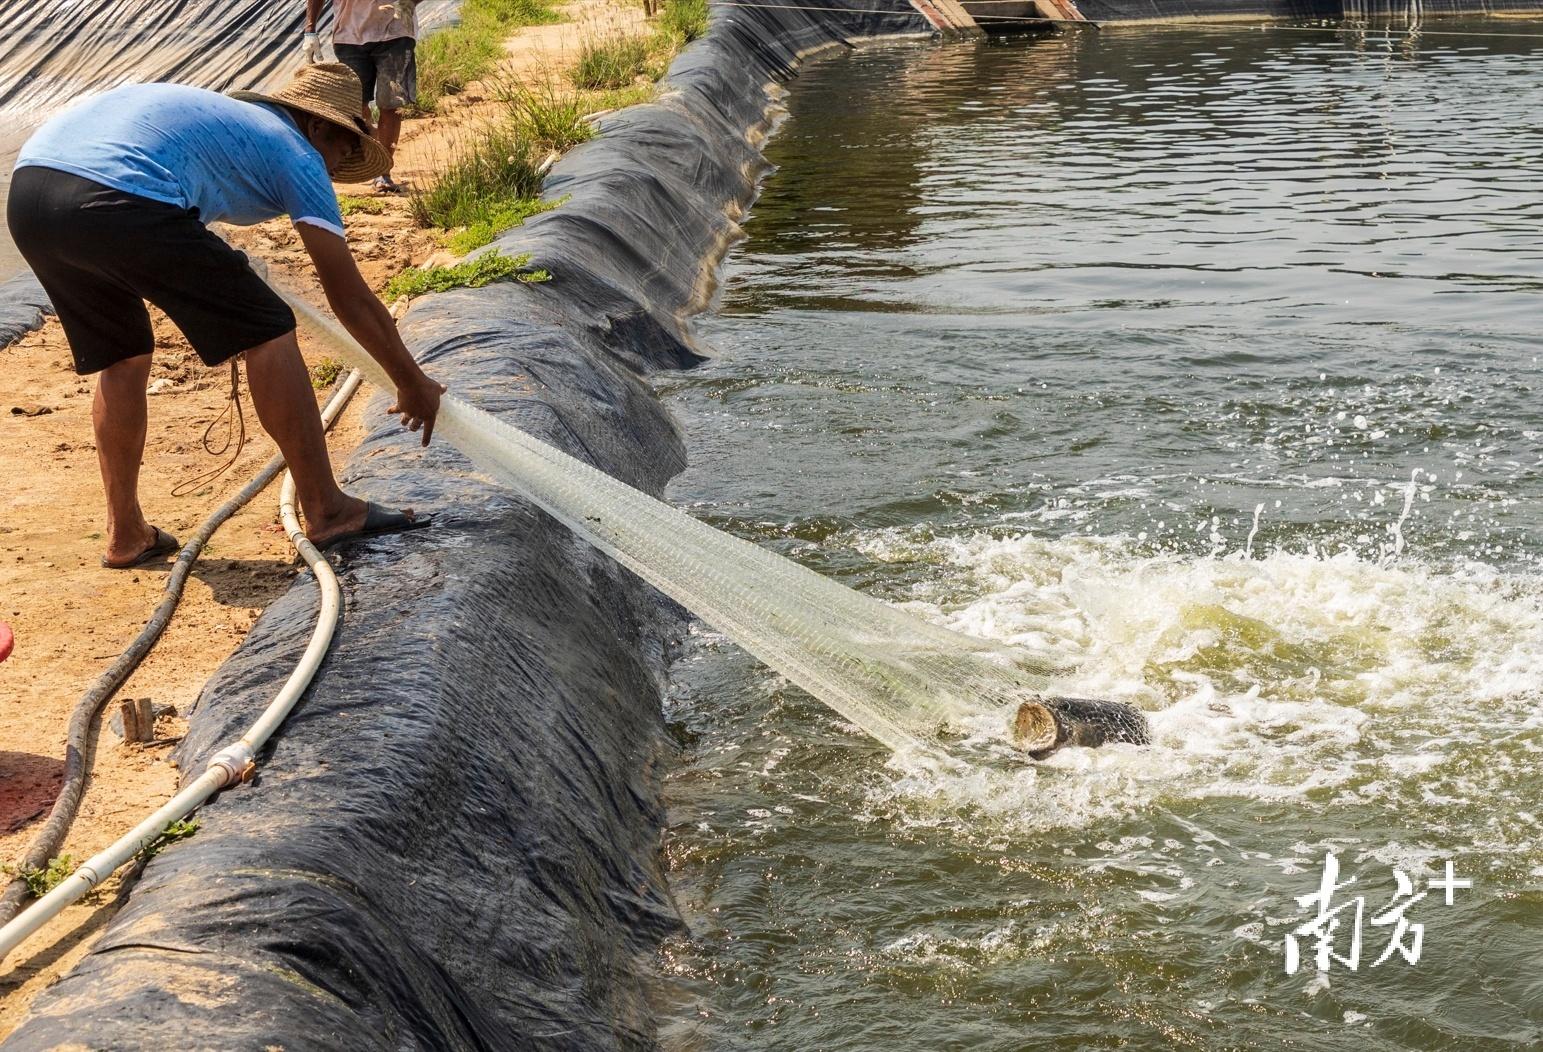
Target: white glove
[[310, 50]]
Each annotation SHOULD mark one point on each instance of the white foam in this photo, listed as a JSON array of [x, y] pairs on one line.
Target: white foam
[[1269, 678]]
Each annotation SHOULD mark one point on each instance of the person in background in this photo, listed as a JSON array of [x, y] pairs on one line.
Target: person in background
[[108, 205], [377, 40]]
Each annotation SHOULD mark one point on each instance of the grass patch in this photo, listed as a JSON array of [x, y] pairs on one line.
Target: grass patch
[[351, 206], [621, 98], [454, 57], [41, 881], [615, 62], [472, 274], [492, 173], [683, 21], [621, 61], [483, 231], [493, 183], [551, 118], [325, 373]]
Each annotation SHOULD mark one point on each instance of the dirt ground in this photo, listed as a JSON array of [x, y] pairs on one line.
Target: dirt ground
[[71, 617]]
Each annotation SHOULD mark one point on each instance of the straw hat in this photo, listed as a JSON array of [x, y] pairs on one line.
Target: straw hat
[[332, 91]]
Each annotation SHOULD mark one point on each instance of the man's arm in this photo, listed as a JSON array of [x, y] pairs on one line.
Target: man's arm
[[310, 44], [364, 316]]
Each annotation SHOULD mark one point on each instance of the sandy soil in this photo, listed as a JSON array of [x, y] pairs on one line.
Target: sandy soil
[[538, 55], [72, 617]]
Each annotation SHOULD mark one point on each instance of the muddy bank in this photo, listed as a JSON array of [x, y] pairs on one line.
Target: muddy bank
[[454, 841]]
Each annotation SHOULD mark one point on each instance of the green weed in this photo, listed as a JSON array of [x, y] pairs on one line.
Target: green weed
[[41, 881], [355, 205], [472, 274], [683, 20], [325, 373], [497, 169], [492, 184], [483, 231], [549, 117], [621, 98], [179, 829], [614, 62]]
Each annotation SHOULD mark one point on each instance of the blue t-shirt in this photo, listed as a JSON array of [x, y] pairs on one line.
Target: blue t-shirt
[[235, 162]]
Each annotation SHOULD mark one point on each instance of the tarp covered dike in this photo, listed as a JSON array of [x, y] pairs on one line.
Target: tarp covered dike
[[57, 50], [453, 843], [23, 305]]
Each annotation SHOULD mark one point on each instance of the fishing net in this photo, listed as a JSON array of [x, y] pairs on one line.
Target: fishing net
[[900, 678]]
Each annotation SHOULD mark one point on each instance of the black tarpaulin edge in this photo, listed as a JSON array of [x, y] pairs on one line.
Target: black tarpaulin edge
[[23, 307]]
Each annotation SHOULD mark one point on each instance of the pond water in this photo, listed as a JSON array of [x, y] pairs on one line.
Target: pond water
[[1211, 356]]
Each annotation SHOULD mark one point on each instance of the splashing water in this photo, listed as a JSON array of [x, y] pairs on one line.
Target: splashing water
[[1272, 678], [1023, 336], [1397, 528], [1253, 531]]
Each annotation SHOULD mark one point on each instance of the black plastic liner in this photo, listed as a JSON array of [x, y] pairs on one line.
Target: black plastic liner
[[56, 50], [453, 843], [23, 305]]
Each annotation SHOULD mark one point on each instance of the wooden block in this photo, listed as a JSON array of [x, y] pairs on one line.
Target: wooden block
[[138, 718], [128, 713]]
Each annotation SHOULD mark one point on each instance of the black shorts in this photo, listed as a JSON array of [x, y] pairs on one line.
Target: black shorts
[[100, 253], [388, 70]]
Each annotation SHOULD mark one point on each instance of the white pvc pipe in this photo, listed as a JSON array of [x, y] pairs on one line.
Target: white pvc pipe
[[232, 764]]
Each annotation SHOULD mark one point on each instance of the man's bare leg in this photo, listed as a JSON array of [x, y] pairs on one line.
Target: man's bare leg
[[286, 405], [388, 131], [118, 417]]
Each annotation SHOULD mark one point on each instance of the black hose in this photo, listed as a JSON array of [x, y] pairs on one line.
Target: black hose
[[57, 825], [46, 843]]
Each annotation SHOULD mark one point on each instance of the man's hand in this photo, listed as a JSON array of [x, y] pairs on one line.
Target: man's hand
[[310, 49], [418, 402], [368, 321]]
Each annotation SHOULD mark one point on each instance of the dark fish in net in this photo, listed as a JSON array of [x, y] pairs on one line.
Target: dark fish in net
[[1046, 725]]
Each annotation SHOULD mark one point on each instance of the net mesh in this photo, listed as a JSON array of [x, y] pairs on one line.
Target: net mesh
[[900, 678]]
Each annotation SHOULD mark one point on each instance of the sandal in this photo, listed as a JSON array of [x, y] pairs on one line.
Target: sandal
[[164, 544], [379, 520]]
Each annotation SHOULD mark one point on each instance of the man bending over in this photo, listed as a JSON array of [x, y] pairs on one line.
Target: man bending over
[[108, 205]]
